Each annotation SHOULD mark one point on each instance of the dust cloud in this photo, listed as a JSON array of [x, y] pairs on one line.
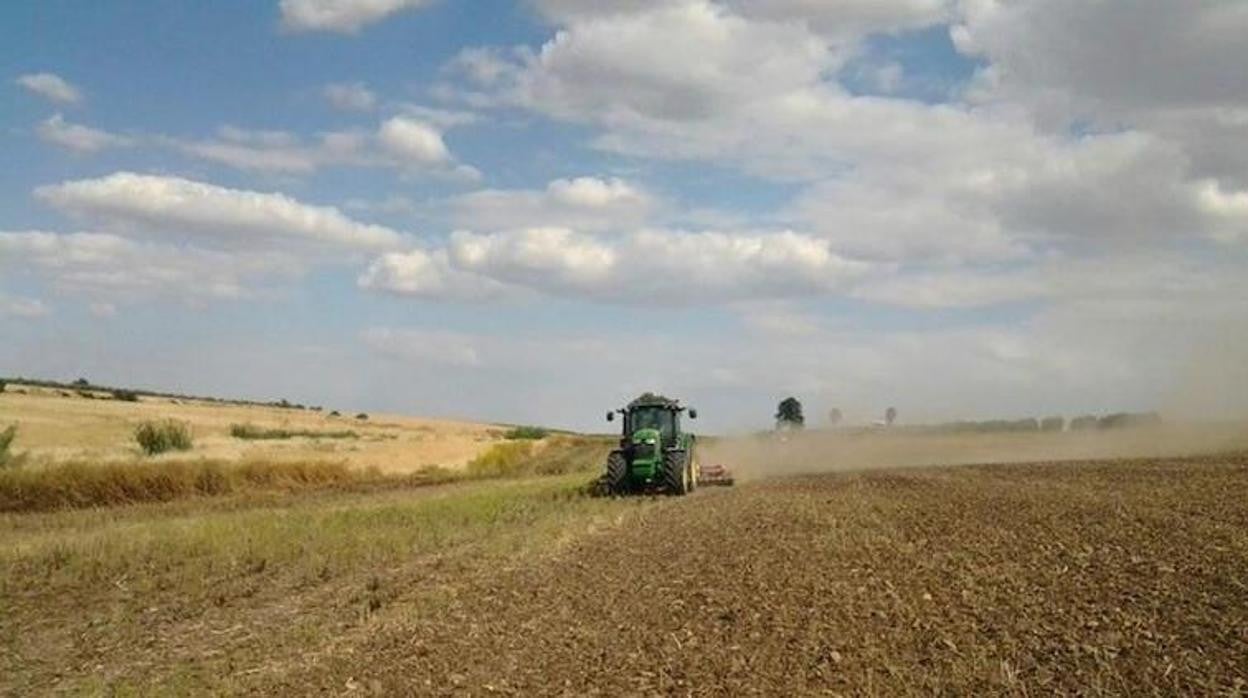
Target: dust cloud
[[760, 456]]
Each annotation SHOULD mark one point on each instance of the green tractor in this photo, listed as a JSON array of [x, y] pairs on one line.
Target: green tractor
[[655, 454]]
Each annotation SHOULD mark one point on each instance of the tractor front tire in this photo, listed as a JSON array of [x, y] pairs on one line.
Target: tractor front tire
[[677, 475], [616, 477]]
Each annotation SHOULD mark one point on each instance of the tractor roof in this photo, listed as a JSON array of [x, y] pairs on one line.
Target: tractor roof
[[652, 400]]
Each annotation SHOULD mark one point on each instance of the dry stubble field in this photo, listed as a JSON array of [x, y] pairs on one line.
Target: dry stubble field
[[1109, 576], [59, 425]]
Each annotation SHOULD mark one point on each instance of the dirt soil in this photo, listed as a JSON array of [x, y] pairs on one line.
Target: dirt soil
[[1119, 577]]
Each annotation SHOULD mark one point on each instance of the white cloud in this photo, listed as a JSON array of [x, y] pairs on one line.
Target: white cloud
[[109, 268], [343, 16], [705, 267], [892, 179], [429, 275], [1174, 69], [19, 307], [680, 62], [403, 143], [79, 138], [172, 206], [849, 20], [353, 96], [410, 140], [844, 19], [583, 203], [51, 87]]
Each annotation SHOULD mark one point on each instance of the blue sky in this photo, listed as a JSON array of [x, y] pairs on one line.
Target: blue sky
[[527, 211]]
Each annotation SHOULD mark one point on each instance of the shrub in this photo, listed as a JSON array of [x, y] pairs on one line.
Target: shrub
[[361, 416], [160, 436], [252, 432], [126, 395], [1083, 423], [560, 456], [335, 413], [531, 433], [502, 460], [1054, 423], [2, 385], [6, 440]]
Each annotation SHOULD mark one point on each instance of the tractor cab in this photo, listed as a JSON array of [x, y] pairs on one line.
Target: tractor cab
[[663, 418]]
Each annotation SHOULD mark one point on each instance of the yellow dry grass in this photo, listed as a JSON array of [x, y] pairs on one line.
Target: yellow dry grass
[[55, 428]]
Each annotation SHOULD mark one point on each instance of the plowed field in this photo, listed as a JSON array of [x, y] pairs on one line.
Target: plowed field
[[1123, 577]]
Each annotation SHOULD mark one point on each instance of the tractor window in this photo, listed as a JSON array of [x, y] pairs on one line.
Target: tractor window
[[655, 418]]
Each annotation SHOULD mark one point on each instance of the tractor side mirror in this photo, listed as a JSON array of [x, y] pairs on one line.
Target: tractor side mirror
[[693, 414], [610, 416]]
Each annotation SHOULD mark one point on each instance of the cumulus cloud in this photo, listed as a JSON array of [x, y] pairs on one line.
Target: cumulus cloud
[[353, 96], [705, 267], [404, 143], [181, 207], [342, 16], [430, 275], [20, 307], [844, 19], [52, 87], [106, 266], [890, 178], [1175, 69], [79, 138], [583, 203], [412, 141]]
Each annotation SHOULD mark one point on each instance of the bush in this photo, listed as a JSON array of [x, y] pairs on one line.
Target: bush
[[126, 395], [502, 460], [530, 433], [561, 456], [161, 436], [252, 432], [361, 416], [1083, 423], [6, 440], [3, 384], [1053, 424]]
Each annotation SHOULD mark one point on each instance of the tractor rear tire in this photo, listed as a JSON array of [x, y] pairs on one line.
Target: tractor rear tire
[[616, 478], [677, 477]]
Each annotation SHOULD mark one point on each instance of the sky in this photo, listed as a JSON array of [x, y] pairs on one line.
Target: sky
[[529, 211]]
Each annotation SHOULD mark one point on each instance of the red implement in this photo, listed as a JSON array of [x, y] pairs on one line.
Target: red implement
[[715, 475]]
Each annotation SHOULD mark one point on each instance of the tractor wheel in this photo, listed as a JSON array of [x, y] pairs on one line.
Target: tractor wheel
[[677, 477], [616, 479]]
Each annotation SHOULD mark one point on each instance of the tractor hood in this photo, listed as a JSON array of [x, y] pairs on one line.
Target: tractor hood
[[648, 437]]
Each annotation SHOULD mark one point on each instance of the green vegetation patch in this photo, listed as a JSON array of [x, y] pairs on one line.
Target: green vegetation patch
[[255, 433], [562, 455], [526, 433], [6, 440], [81, 485], [164, 435]]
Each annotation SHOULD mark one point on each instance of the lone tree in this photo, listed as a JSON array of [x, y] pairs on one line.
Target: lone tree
[[835, 416], [890, 416], [789, 414]]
